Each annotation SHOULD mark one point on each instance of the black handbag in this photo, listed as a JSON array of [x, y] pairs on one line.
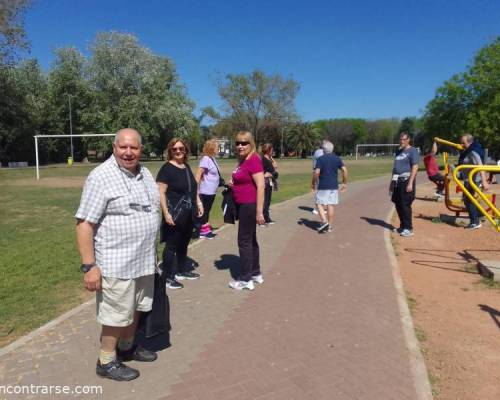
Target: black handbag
[[157, 321]]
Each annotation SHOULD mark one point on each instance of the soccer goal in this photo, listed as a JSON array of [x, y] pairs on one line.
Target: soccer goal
[[376, 150], [61, 136]]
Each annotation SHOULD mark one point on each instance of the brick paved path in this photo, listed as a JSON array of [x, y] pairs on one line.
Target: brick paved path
[[324, 325]]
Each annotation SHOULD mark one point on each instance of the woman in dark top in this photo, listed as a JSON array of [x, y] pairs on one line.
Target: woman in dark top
[[179, 203], [270, 175]]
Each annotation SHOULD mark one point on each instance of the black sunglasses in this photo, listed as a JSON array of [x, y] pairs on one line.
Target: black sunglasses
[[238, 143]]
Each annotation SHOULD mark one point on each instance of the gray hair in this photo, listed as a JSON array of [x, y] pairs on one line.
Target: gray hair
[[468, 137], [120, 131], [327, 147]]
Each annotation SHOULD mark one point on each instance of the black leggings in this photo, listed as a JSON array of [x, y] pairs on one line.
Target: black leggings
[[208, 201], [176, 244], [247, 242]]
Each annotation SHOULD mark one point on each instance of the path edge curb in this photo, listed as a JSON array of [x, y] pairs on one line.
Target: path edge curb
[[44, 328], [417, 364]]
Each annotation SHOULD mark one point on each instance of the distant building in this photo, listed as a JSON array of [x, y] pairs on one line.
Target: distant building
[[224, 147]]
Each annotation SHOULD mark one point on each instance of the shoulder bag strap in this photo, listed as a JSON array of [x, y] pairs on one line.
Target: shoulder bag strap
[[216, 166]]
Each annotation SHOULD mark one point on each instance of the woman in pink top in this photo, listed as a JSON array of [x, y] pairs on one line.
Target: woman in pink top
[[248, 193]]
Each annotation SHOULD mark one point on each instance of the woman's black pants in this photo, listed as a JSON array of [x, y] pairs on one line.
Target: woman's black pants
[[268, 193], [176, 244], [208, 201], [247, 242]]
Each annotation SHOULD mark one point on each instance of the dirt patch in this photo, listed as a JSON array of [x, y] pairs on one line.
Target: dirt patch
[[63, 182], [457, 317]]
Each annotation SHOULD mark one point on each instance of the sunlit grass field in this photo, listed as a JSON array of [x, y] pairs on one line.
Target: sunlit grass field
[[39, 262]]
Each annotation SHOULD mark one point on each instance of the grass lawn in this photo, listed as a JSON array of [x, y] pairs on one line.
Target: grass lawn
[[39, 274]]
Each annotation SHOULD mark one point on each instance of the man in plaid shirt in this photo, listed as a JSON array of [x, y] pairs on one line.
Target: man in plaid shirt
[[117, 224]]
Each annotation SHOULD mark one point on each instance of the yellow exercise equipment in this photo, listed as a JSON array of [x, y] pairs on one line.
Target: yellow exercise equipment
[[455, 204]]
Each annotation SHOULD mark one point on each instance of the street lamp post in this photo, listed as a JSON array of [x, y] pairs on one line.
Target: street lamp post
[[282, 142]]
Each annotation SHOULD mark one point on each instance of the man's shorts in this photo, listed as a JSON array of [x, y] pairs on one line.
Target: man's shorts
[[327, 197], [118, 300]]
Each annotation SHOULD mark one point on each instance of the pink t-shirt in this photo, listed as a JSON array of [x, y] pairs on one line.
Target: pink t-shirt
[[244, 189]]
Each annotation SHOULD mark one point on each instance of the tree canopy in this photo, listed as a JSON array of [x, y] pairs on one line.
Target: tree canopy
[[121, 84], [257, 102], [12, 33], [469, 102]]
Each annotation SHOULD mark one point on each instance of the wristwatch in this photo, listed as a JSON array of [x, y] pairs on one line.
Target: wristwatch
[[87, 267]]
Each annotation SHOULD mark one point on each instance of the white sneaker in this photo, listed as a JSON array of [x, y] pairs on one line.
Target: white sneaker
[[242, 285], [406, 233], [314, 211], [323, 227], [258, 279]]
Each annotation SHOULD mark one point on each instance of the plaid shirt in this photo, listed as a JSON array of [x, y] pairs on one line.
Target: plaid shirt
[[126, 211]]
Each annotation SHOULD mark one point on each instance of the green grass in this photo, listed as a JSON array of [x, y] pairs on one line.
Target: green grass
[[39, 275]]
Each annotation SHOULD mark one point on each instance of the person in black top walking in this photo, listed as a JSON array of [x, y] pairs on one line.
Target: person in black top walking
[[270, 176], [180, 202]]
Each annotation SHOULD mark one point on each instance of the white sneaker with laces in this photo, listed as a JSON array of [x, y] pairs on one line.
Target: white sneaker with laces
[[323, 227], [242, 285], [258, 279], [406, 233]]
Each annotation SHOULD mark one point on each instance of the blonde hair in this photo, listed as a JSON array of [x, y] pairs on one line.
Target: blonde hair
[[266, 148], [247, 137], [170, 153], [210, 148]]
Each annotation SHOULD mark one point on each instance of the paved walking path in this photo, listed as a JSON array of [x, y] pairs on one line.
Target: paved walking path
[[325, 324]]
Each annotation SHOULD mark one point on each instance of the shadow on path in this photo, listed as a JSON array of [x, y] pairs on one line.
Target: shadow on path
[[314, 225], [306, 208], [494, 313], [378, 222], [230, 262]]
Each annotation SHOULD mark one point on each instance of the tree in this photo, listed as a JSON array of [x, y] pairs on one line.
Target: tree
[[24, 110], [136, 88], [303, 138], [68, 86], [256, 101], [12, 34], [446, 114], [345, 133], [469, 102], [381, 131], [482, 82]]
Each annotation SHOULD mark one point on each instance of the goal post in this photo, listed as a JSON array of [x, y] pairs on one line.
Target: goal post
[[61, 136], [378, 149]]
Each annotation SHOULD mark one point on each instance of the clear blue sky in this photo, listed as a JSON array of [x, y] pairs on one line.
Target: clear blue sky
[[363, 58]]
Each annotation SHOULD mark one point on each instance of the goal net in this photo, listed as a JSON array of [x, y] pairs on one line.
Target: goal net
[[376, 150]]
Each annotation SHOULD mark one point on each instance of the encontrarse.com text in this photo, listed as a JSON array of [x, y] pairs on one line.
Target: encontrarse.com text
[[49, 389]]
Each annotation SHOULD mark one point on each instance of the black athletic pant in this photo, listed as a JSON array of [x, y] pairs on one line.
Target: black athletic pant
[[438, 179], [403, 200], [268, 193], [247, 242], [176, 244], [208, 201]]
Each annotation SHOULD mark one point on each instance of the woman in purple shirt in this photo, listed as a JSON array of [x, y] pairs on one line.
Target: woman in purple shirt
[[208, 178], [248, 192]]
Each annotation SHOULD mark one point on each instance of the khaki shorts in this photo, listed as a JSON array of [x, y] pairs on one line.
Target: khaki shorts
[[118, 300]]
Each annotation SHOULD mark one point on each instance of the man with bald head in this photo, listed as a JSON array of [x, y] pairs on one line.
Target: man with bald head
[[117, 224]]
